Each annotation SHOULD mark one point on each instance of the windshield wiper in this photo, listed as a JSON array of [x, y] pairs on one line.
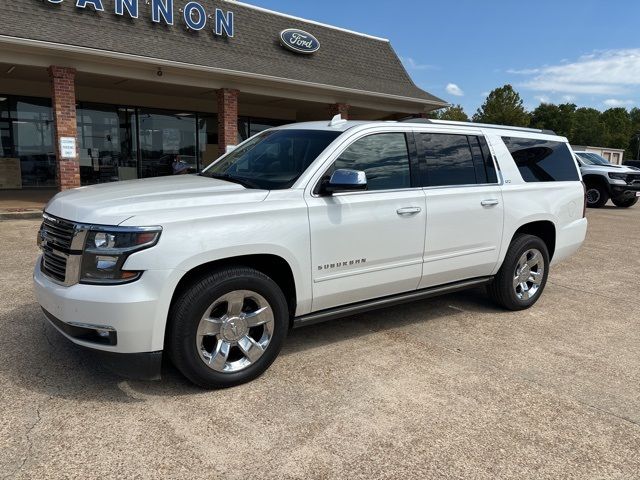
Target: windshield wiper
[[241, 181]]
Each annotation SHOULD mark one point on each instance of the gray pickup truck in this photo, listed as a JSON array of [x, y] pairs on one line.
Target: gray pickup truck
[[605, 181]]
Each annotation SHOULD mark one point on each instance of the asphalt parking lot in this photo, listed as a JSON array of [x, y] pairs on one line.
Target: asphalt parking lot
[[451, 387]]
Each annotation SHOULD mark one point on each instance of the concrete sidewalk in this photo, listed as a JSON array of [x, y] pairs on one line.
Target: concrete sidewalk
[[24, 204]]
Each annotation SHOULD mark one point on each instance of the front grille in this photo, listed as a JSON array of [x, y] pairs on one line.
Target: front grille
[[57, 232], [54, 265], [633, 178], [56, 241]]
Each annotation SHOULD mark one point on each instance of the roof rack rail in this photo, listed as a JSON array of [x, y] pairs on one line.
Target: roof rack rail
[[472, 124]]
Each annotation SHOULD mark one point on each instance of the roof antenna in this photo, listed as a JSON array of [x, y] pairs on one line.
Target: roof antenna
[[337, 120]]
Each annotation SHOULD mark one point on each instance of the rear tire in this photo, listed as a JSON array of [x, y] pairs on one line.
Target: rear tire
[[626, 203], [597, 196], [227, 327], [523, 274]]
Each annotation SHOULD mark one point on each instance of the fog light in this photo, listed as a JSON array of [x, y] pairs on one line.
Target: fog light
[[102, 333]]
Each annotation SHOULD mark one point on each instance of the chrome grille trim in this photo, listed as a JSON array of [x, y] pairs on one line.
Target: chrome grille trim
[[57, 232], [61, 242]]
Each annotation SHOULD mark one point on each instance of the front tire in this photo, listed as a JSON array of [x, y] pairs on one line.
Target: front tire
[[597, 196], [227, 327], [625, 203], [523, 274]]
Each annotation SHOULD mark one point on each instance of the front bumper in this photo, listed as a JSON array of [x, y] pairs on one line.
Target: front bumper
[[136, 366], [131, 317], [624, 191]]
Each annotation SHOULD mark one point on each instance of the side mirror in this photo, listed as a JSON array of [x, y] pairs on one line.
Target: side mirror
[[345, 180]]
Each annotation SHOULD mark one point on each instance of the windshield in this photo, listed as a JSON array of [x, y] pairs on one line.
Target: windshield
[[272, 160], [590, 158]]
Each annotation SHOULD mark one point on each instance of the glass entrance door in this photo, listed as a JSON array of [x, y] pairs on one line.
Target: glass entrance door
[[167, 143], [108, 150]]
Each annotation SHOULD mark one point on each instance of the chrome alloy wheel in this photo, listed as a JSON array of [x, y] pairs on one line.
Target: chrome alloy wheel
[[529, 274], [235, 331], [593, 196]]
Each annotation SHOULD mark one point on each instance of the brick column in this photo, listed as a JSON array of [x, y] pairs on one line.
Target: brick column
[[339, 108], [63, 100], [227, 118]]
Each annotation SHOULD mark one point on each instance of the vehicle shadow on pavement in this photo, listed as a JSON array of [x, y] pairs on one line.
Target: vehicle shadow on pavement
[[52, 365]]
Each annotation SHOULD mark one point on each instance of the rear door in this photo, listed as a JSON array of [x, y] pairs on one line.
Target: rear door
[[464, 207], [369, 244]]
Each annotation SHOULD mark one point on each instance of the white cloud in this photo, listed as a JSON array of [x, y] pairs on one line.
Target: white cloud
[[569, 98], [610, 72], [411, 64], [453, 89], [524, 71], [543, 99], [615, 102]]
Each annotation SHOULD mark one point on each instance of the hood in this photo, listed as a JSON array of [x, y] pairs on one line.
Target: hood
[[113, 203], [610, 168]]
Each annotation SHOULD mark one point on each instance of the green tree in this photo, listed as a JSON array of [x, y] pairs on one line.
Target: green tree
[[634, 143], [503, 106], [588, 128], [559, 118], [617, 122], [453, 112]]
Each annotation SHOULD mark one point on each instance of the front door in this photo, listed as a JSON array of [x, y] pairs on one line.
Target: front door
[[368, 244]]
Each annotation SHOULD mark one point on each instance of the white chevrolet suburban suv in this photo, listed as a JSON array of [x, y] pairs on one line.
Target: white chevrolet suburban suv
[[300, 224]]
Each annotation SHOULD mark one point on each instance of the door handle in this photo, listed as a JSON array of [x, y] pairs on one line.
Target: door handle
[[489, 202], [406, 211]]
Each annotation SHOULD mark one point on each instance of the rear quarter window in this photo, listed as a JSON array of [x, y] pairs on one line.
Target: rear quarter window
[[542, 160]]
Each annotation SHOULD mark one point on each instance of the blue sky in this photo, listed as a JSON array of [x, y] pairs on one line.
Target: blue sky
[[586, 52]]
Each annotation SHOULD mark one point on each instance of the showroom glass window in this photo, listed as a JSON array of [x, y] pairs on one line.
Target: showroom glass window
[[384, 157], [27, 153], [207, 138], [106, 143], [250, 126], [166, 139]]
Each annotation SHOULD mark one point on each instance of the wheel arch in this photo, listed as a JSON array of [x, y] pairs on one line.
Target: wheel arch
[[543, 229], [273, 266], [599, 180]]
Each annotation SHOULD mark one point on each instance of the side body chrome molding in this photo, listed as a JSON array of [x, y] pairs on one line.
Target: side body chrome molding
[[360, 307]]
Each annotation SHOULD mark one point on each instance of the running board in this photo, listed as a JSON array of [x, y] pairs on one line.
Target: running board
[[360, 307]]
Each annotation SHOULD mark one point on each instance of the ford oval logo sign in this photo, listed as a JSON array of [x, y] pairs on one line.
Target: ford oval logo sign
[[299, 41]]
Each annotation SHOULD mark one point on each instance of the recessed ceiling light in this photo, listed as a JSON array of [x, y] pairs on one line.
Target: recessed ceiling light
[[11, 69]]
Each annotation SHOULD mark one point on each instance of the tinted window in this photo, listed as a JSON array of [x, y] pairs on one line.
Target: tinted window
[[492, 176], [449, 160], [478, 160], [542, 160], [383, 157], [273, 160]]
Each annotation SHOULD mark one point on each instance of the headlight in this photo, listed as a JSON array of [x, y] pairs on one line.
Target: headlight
[[618, 176], [106, 250]]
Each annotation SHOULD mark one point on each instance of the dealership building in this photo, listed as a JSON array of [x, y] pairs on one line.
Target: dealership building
[[95, 91]]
